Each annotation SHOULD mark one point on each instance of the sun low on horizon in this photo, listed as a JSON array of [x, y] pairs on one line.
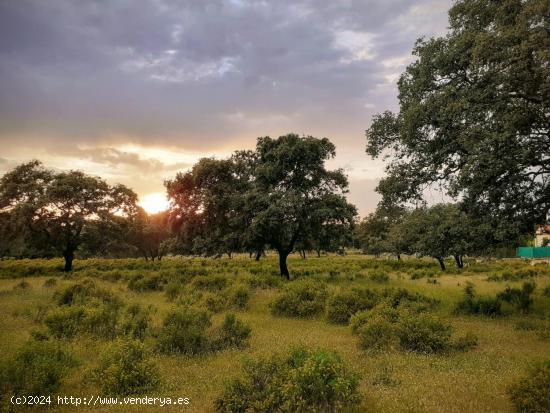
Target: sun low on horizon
[[154, 203]]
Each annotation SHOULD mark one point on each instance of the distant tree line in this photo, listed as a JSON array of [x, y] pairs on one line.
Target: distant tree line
[[280, 197]]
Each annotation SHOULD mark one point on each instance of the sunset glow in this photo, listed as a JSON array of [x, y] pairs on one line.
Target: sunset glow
[[154, 203]]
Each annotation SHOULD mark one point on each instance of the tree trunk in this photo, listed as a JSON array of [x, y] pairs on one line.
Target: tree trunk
[[441, 263], [398, 257], [258, 255], [459, 262], [282, 264], [318, 253], [69, 256]]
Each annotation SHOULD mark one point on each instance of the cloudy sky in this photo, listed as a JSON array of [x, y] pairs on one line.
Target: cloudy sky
[[136, 91]]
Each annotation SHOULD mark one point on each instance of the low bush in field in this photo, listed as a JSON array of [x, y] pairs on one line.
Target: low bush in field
[[519, 297], [126, 368], [531, 394], [38, 368], [341, 306], [136, 321], [184, 331], [142, 283], [50, 283], [546, 291], [379, 276], [232, 333], [386, 327], [173, 290], [237, 296], [211, 283], [471, 304], [65, 322], [188, 330], [85, 292], [263, 281], [300, 381], [302, 298], [423, 333]]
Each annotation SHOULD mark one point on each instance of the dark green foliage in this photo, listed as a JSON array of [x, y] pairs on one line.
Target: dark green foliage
[[65, 322], [423, 333], [210, 283], [37, 368], [530, 394], [471, 304], [302, 298], [184, 330], [143, 283], [341, 306], [232, 333], [379, 277], [125, 368], [85, 292], [238, 296], [303, 381], [136, 321], [520, 298], [375, 332]]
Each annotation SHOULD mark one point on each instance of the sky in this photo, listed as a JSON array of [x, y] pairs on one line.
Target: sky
[[134, 92]]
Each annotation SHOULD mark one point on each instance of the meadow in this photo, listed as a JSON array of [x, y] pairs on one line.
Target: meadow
[[486, 352]]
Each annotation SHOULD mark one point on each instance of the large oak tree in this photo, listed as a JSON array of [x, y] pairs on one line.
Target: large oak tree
[[473, 116], [55, 209]]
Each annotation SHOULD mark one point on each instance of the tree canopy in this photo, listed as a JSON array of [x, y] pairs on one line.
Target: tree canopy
[[54, 210], [474, 116]]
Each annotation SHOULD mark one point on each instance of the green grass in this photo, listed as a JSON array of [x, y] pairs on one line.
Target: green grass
[[396, 381]]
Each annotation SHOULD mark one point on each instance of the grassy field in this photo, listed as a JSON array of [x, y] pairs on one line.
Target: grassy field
[[391, 381]]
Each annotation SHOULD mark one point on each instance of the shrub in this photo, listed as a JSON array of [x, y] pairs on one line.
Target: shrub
[[184, 331], [238, 296], [101, 321], [232, 333], [173, 290], [423, 333], [546, 291], [125, 368], [471, 304], [341, 306], [302, 298], [264, 281], [65, 322], [379, 277], [530, 394], [136, 321], [38, 368], [376, 333], [302, 381], [22, 286], [214, 302], [211, 283], [520, 298], [84, 292], [143, 283]]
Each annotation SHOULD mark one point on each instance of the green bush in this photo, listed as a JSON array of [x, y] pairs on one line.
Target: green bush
[[531, 394], [232, 333], [341, 306], [184, 331], [37, 368], [212, 283], [546, 291], [136, 321], [125, 368], [173, 290], [379, 276], [376, 333], [102, 321], [520, 298], [301, 381], [465, 343], [471, 304], [302, 298], [238, 296], [423, 333], [85, 292], [143, 283], [65, 322]]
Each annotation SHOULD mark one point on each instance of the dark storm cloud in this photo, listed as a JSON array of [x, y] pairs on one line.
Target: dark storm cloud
[[201, 75]]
